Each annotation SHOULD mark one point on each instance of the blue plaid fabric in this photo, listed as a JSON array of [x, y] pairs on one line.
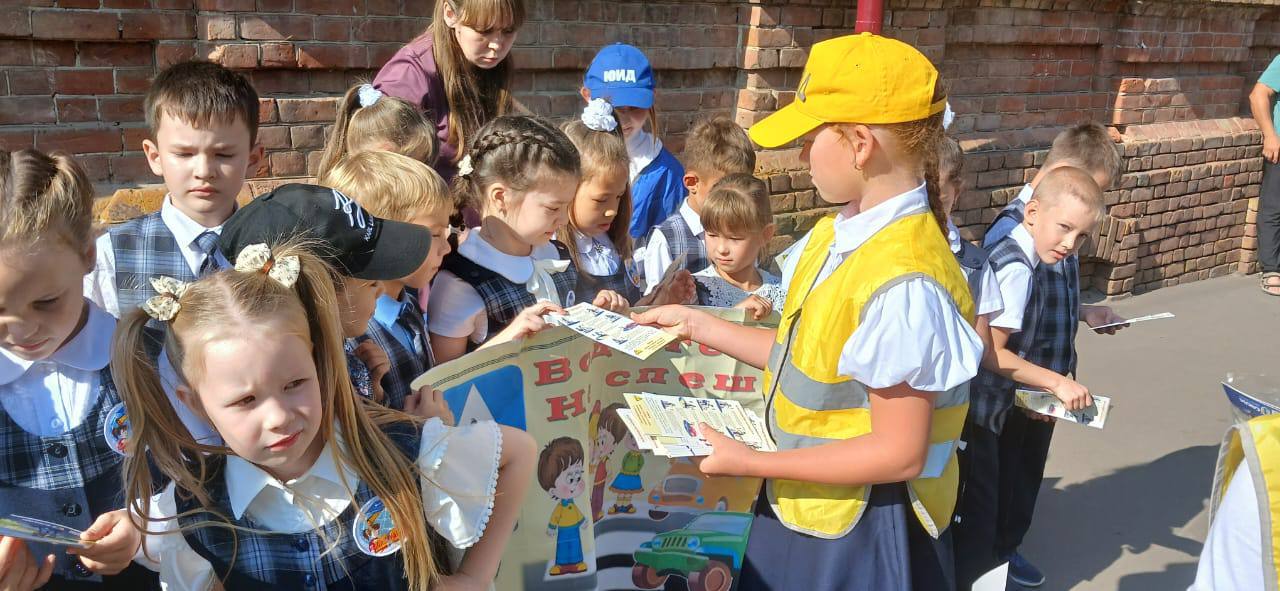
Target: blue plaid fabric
[[144, 248], [590, 285], [408, 359], [991, 395], [324, 558], [358, 371], [504, 299], [681, 240], [1054, 344]]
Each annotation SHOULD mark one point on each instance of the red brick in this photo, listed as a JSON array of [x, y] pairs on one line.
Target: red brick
[[27, 81], [16, 140], [25, 110], [226, 5], [383, 7], [288, 164], [307, 109], [75, 25], [215, 27], [327, 57], [77, 110], [397, 30], [79, 140], [133, 81], [81, 81], [135, 4], [79, 4], [274, 137], [307, 136], [337, 7], [278, 55], [240, 56], [276, 27], [15, 22], [133, 136], [158, 25], [131, 168], [53, 53], [116, 55], [15, 53], [332, 29], [121, 108], [168, 54]]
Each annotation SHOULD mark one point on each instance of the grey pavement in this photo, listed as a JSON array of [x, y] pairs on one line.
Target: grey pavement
[[1125, 508]]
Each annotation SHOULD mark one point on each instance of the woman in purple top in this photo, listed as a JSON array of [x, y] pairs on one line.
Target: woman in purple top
[[465, 84]]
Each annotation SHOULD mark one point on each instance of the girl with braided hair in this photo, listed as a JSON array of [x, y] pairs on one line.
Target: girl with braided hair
[[521, 173]]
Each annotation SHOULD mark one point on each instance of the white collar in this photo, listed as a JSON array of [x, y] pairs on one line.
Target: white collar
[[1026, 243], [89, 350], [853, 232], [245, 481], [586, 243], [517, 269], [691, 218], [643, 148], [953, 236], [1025, 194], [185, 230]]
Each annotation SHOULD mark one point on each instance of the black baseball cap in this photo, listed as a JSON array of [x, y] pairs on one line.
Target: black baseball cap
[[354, 242]]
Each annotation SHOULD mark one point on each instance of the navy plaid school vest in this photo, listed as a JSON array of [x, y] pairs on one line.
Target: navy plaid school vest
[[505, 299], [144, 248], [681, 240], [973, 261], [69, 479], [590, 285], [991, 396], [406, 364], [1054, 344], [326, 558]]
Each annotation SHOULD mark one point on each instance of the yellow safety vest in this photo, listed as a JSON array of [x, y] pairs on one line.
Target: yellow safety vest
[[810, 403], [1255, 443]]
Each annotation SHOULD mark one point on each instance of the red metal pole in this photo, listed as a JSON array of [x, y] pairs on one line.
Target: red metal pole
[[870, 16]]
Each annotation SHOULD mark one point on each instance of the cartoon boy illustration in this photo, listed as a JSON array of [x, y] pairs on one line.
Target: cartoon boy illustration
[[609, 431], [560, 473], [627, 484]]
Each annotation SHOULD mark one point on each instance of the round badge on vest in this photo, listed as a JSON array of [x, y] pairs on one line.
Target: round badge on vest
[[115, 430], [374, 531], [570, 299]]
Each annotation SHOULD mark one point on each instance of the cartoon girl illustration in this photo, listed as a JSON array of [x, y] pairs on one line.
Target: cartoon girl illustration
[[609, 432], [378, 534], [627, 484], [560, 473], [115, 428]]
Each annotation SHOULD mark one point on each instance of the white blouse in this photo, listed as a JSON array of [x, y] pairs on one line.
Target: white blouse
[[458, 477], [597, 255], [722, 294]]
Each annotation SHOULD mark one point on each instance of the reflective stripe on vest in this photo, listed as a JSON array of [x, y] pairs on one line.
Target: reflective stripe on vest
[[810, 403], [1257, 445]]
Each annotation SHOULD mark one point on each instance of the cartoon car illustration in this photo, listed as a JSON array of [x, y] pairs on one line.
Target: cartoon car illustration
[[686, 489], [706, 553]]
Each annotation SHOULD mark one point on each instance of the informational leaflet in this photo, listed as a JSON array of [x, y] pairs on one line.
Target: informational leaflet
[[613, 330], [1046, 403], [38, 530], [1160, 316], [668, 425]]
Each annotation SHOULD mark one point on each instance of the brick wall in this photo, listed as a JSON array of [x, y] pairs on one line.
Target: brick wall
[[1171, 78]]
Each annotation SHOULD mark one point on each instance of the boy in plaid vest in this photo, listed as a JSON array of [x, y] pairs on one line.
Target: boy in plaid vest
[[715, 148], [1090, 148], [395, 187]]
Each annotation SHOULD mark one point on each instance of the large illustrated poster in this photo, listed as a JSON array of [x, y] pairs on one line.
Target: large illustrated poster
[[603, 514]]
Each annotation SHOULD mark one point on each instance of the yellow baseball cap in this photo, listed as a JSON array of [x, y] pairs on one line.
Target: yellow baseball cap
[[861, 78]]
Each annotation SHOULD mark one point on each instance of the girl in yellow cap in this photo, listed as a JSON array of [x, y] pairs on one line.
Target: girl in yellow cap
[[866, 377]]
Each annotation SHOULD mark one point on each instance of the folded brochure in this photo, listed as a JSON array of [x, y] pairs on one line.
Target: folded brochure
[[1249, 405], [38, 530], [1160, 316], [1046, 403], [613, 330], [668, 425]]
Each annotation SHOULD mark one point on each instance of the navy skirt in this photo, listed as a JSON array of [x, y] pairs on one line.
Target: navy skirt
[[888, 551]]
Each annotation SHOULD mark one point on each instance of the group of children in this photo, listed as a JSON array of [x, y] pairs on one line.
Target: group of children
[[265, 353]]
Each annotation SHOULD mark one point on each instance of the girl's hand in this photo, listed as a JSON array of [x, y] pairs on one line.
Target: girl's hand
[[462, 582], [756, 306], [729, 457], [612, 301], [1102, 315], [679, 289], [677, 320], [428, 403], [378, 363], [1073, 394], [528, 323], [18, 570], [115, 540]]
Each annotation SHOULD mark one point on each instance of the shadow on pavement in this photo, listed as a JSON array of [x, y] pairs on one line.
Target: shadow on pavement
[[1082, 529]]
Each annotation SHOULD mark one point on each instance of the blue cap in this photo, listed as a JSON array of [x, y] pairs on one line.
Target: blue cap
[[621, 75]]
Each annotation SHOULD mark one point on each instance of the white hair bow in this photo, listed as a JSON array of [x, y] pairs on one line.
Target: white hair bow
[[164, 305], [541, 285], [947, 116], [368, 95], [464, 166], [257, 258], [598, 116]]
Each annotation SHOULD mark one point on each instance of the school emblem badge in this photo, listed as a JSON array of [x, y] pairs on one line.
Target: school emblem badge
[[374, 531], [115, 430]]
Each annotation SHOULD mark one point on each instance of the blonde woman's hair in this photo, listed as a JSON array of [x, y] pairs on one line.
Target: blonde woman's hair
[[738, 205], [43, 196], [389, 186], [389, 120], [602, 153], [226, 302], [474, 95]]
